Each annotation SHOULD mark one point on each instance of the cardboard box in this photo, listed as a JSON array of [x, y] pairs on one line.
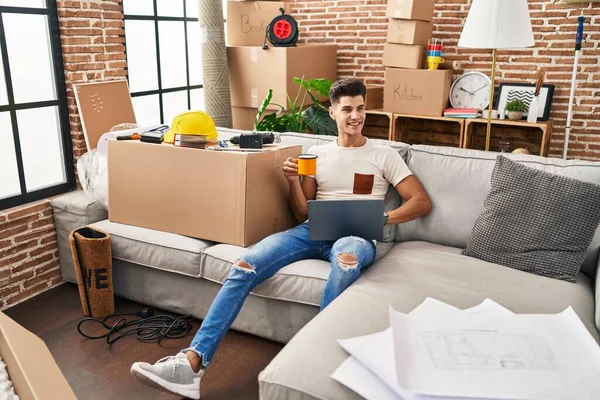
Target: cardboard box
[[374, 98], [407, 31], [243, 117], [31, 367], [247, 21], [411, 9], [420, 92], [253, 71], [228, 197], [404, 56]]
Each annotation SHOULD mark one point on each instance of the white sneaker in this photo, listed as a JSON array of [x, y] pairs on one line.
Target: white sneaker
[[172, 374]]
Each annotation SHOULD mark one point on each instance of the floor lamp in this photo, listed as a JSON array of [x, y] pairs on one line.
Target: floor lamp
[[496, 24]]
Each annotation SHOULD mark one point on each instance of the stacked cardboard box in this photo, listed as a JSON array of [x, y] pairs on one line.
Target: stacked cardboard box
[[409, 87], [254, 70]]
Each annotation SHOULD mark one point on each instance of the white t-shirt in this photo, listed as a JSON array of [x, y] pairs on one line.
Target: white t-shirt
[[364, 172]]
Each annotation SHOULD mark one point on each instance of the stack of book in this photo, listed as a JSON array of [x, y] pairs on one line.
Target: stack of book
[[462, 113], [195, 141]]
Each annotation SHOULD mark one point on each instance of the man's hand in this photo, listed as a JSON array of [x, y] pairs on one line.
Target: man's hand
[[290, 169]]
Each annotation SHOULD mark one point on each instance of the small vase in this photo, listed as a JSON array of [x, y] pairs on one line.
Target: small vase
[[515, 115], [534, 107]]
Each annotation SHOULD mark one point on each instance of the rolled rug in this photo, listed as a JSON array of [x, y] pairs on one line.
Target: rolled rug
[[92, 259]]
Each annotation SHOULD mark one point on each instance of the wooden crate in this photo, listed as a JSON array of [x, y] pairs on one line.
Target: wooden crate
[[378, 125], [437, 131], [534, 137]]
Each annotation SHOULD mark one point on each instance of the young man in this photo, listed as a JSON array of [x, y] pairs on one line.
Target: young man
[[351, 167]]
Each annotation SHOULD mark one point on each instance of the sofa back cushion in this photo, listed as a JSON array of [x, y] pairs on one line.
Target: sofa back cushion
[[458, 180]]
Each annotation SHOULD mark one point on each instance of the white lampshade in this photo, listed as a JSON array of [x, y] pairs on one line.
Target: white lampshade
[[497, 24]]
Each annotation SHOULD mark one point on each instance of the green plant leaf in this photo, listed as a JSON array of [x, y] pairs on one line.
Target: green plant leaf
[[516, 105], [320, 85], [319, 122], [270, 123], [262, 108], [317, 103]]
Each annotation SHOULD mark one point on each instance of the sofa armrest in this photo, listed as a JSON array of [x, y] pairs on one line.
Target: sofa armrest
[[73, 210]]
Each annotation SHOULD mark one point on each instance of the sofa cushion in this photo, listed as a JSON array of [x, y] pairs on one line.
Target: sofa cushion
[[404, 278], [300, 282], [71, 211], [457, 180], [155, 249], [535, 221]]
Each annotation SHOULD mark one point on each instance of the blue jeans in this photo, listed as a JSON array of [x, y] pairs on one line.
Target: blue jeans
[[264, 260]]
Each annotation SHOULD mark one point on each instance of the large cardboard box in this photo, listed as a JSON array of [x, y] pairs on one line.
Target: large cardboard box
[[224, 196], [404, 55], [411, 9], [420, 92], [407, 31], [243, 117], [253, 71], [374, 98], [31, 367], [247, 21]]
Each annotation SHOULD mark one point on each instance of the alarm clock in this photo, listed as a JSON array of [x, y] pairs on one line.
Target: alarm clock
[[471, 90]]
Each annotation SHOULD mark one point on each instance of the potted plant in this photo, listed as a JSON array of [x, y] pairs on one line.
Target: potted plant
[[515, 109], [313, 119]]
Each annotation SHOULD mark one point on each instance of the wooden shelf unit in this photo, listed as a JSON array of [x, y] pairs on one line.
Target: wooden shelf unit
[[431, 130], [379, 125], [535, 137], [458, 132]]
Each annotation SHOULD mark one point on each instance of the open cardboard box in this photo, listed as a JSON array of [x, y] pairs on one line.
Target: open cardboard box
[[31, 367], [228, 197]]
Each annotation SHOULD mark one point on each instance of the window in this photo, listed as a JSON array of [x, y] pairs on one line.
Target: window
[[164, 60], [36, 154]]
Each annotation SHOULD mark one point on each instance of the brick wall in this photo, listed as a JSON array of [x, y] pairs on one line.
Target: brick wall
[[92, 39], [554, 25], [28, 252]]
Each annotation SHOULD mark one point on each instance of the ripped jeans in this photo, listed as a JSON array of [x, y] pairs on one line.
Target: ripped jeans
[[348, 257]]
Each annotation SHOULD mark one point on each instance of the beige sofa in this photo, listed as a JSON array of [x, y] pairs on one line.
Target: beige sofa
[[422, 259]]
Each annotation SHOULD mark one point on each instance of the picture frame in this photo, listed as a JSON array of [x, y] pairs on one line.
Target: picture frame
[[524, 91]]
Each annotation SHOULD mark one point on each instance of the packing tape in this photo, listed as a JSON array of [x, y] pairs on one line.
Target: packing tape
[[254, 97], [254, 54]]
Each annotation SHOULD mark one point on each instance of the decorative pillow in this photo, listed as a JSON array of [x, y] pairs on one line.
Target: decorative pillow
[[535, 221]]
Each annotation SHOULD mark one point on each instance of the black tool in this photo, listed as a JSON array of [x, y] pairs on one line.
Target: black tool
[[152, 137], [253, 140]]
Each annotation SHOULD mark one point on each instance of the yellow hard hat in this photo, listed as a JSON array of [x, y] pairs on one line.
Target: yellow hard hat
[[192, 123]]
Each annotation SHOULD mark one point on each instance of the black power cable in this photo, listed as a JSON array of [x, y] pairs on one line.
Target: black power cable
[[149, 328]]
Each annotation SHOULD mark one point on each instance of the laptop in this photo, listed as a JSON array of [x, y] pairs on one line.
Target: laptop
[[335, 219]]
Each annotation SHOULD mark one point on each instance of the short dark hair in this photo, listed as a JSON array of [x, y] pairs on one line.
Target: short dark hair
[[347, 87]]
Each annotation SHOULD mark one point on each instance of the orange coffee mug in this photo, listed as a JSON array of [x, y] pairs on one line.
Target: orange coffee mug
[[307, 164]]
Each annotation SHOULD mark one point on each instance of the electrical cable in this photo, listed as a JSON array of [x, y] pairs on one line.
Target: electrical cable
[[149, 328]]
